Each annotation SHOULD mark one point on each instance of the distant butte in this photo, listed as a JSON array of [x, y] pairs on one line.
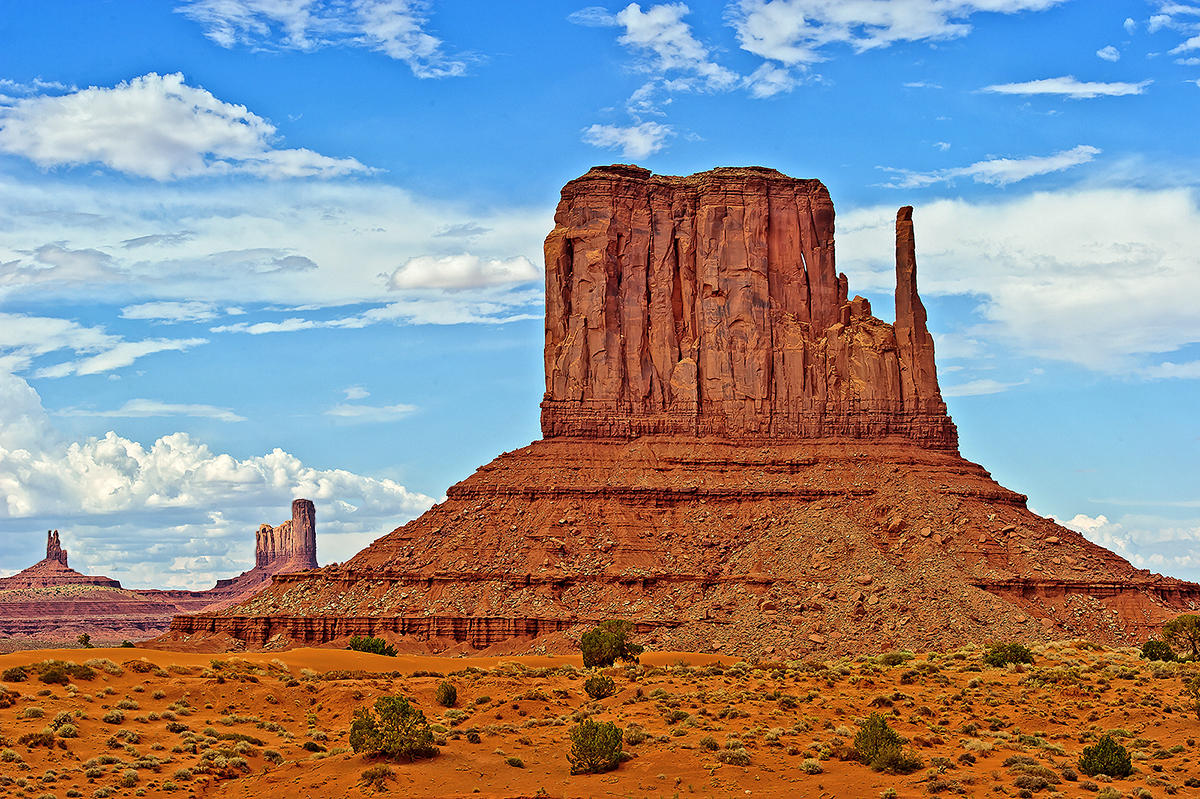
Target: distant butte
[[736, 456], [51, 601]]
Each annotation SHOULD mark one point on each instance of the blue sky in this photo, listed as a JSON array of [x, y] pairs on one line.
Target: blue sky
[[254, 249]]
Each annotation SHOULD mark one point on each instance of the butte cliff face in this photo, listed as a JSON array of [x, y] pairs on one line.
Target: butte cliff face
[[736, 456], [710, 305]]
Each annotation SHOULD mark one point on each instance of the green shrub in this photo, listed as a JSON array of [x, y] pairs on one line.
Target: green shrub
[[738, 756], [447, 695], [15, 674], [599, 686], [377, 777], [1157, 650], [1106, 757], [376, 646], [875, 736], [68, 731], [400, 730], [1191, 691], [595, 747], [1002, 654], [113, 717], [709, 744], [609, 642], [1184, 633], [54, 675]]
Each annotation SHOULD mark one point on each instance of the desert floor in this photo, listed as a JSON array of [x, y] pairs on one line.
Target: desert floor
[[151, 723]]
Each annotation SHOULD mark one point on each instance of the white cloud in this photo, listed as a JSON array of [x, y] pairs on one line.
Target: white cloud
[[942, 145], [593, 17], [119, 355], [794, 32], [660, 34], [395, 28], [634, 141], [1168, 546], [1069, 86], [1192, 43], [155, 126], [461, 271], [323, 243], [999, 171], [1109, 53], [147, 408], [150, 514], [356, 392], [1129, 25], [349, 412], [769, 80], [188, 311], [1103, 278], [976, 388], [1168, 370]]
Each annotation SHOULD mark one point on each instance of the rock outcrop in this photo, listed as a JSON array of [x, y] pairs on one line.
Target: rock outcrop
[[51, 601], [736, 457], [710, 305]]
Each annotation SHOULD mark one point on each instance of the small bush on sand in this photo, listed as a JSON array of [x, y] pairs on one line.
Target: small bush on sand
[[377, 777], [376, 646], [399, 731], [1157, 650], [447, 695], [737, 756], [600, 687], [879, 746], [15, 674], [609, 642], [1191, 692], [595, 747], [113, 717], [1002, 654], [1106, 757]]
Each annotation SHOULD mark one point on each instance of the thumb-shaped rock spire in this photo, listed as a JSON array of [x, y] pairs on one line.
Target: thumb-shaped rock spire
[[918, 373]]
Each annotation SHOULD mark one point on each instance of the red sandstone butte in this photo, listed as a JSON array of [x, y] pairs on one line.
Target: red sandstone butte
[[51, 601], [736, 456]]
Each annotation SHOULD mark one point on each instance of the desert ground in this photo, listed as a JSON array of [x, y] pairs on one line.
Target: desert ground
[[154, 723]]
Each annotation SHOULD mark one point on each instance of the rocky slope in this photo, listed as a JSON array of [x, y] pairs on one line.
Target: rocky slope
[[736, 456]]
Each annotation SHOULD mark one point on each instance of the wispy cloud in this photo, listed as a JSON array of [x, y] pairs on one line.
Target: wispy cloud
[[169, 311], [155, 126], [998, 171], [145, 408], [396, 28], [976, 388], [364, 414], [118, 356], [1069, 86], [1109, 53], [797, 32], [1168, 370], [460, 271], [634, 141]]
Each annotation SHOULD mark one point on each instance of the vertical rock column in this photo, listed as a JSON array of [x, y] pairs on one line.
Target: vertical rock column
[[303, 549], [918, 373]]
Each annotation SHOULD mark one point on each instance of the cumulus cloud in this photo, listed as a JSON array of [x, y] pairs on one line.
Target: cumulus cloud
[[396, 28], [1168, 370], [148, 408], [155, 126], [1168, 546], [634, 141], [356, 392], [797, 32], [1069, 86], [152, 514], [1103, 278], [461, 271], [660, 35], [998, 171], [1109, 53]]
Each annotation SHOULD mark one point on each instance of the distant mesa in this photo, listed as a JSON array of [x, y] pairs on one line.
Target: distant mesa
[[51, 601], [737, 456]]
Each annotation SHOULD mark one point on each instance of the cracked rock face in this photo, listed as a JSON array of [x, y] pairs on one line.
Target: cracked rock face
[[710, 305]]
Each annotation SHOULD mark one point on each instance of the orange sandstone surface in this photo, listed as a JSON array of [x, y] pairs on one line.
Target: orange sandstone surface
[[153, 723], [736, 456]]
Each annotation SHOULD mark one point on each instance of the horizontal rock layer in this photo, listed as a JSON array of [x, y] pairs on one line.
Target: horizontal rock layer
[[710, 305]]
